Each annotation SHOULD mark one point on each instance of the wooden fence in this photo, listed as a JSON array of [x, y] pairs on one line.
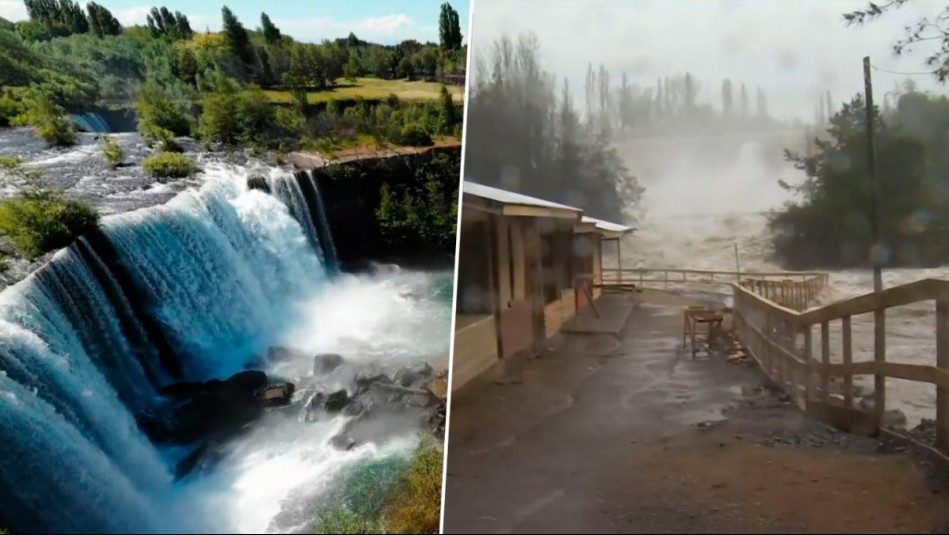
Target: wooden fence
[[780, 338]]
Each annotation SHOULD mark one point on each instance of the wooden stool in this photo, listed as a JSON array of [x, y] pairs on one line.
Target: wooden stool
[[694, 317]]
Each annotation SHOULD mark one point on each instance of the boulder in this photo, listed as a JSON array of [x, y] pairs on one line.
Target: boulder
[[343, 442], [336, 401], [258, 182], [438, 387], [320, 403], [192, 410], [276, 394], [409, 376], [326, 362]]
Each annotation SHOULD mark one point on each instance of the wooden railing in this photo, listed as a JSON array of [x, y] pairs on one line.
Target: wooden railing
[[781, 340], [794, 294], [656, 276]]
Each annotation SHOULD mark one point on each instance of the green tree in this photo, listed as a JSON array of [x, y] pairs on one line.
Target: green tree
[[237, 38], [447, 115], [829, 225], [187, 66], [271, 32], [39, 109], [101, 21], [352, 69], [449, 30], [160, 117]]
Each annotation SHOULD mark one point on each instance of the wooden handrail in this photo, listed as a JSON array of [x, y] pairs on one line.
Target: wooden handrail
[[769, 329], [720, 272]]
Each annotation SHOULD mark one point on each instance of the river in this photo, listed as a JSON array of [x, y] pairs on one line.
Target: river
[[703, 196]]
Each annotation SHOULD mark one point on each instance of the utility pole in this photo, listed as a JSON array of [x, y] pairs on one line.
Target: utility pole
[[872, 167], [879, 315]]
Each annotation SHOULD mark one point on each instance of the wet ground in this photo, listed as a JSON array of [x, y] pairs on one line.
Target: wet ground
[[626, 434]]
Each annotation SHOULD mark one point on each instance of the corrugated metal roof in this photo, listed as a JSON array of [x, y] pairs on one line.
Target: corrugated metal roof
[[606, 225], [509, 197]]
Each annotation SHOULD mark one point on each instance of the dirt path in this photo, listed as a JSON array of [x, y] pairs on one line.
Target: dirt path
[[626, 435]]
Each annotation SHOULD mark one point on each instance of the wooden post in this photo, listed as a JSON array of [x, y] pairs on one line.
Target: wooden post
[[848, 360], [879, 357], [737, 265], [619, 261], [825, 360], [942, 361], [879, 315], [808, 365]]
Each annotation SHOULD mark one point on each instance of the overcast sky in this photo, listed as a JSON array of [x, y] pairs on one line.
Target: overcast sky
[[381, 21], [795, 50]]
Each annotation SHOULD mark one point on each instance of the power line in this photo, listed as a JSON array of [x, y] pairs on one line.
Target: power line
[[928, 73]]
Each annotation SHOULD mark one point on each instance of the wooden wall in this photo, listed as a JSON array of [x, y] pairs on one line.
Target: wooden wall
[[476, 350]]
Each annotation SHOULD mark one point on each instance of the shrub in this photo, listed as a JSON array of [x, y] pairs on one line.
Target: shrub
[[414, 135], [160, 117], [40, 221], [9, 108], [113, 151], [169, 165], [290, 122], [38, 108], [416, 503]]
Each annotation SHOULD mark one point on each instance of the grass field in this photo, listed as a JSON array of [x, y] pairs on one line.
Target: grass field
[[374, 89]]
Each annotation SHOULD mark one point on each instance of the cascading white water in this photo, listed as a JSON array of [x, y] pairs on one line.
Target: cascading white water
[[703, 196], [219, 274]]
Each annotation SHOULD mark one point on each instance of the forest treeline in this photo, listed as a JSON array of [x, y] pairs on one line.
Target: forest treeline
[[532, 138], [85, 58], [829, 224]]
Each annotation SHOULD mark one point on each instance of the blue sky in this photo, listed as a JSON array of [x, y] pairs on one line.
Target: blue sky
[[384, 21]]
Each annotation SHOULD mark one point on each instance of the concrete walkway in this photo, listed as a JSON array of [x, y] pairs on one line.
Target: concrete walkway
[[624, 434]]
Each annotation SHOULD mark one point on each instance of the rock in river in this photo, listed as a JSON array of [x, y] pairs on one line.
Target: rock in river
[[326, 362]]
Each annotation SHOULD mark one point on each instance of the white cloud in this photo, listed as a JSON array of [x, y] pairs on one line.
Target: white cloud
[[132, 16], [12, 10], [387, 28], [387, 25]]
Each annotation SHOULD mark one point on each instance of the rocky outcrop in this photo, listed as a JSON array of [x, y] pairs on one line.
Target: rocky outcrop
[[191, 411]]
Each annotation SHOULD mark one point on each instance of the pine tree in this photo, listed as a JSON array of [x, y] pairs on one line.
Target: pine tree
[[271, 32]]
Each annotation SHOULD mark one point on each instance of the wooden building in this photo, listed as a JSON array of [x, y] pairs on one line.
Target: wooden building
[[515, 277], [590, 236]]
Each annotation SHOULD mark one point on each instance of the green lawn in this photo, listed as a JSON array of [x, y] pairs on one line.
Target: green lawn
[[374, 89]]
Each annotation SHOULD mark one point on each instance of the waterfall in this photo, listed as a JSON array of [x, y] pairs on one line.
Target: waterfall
[[194, 289], [301, 193], [91, 122], [330, 252]]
